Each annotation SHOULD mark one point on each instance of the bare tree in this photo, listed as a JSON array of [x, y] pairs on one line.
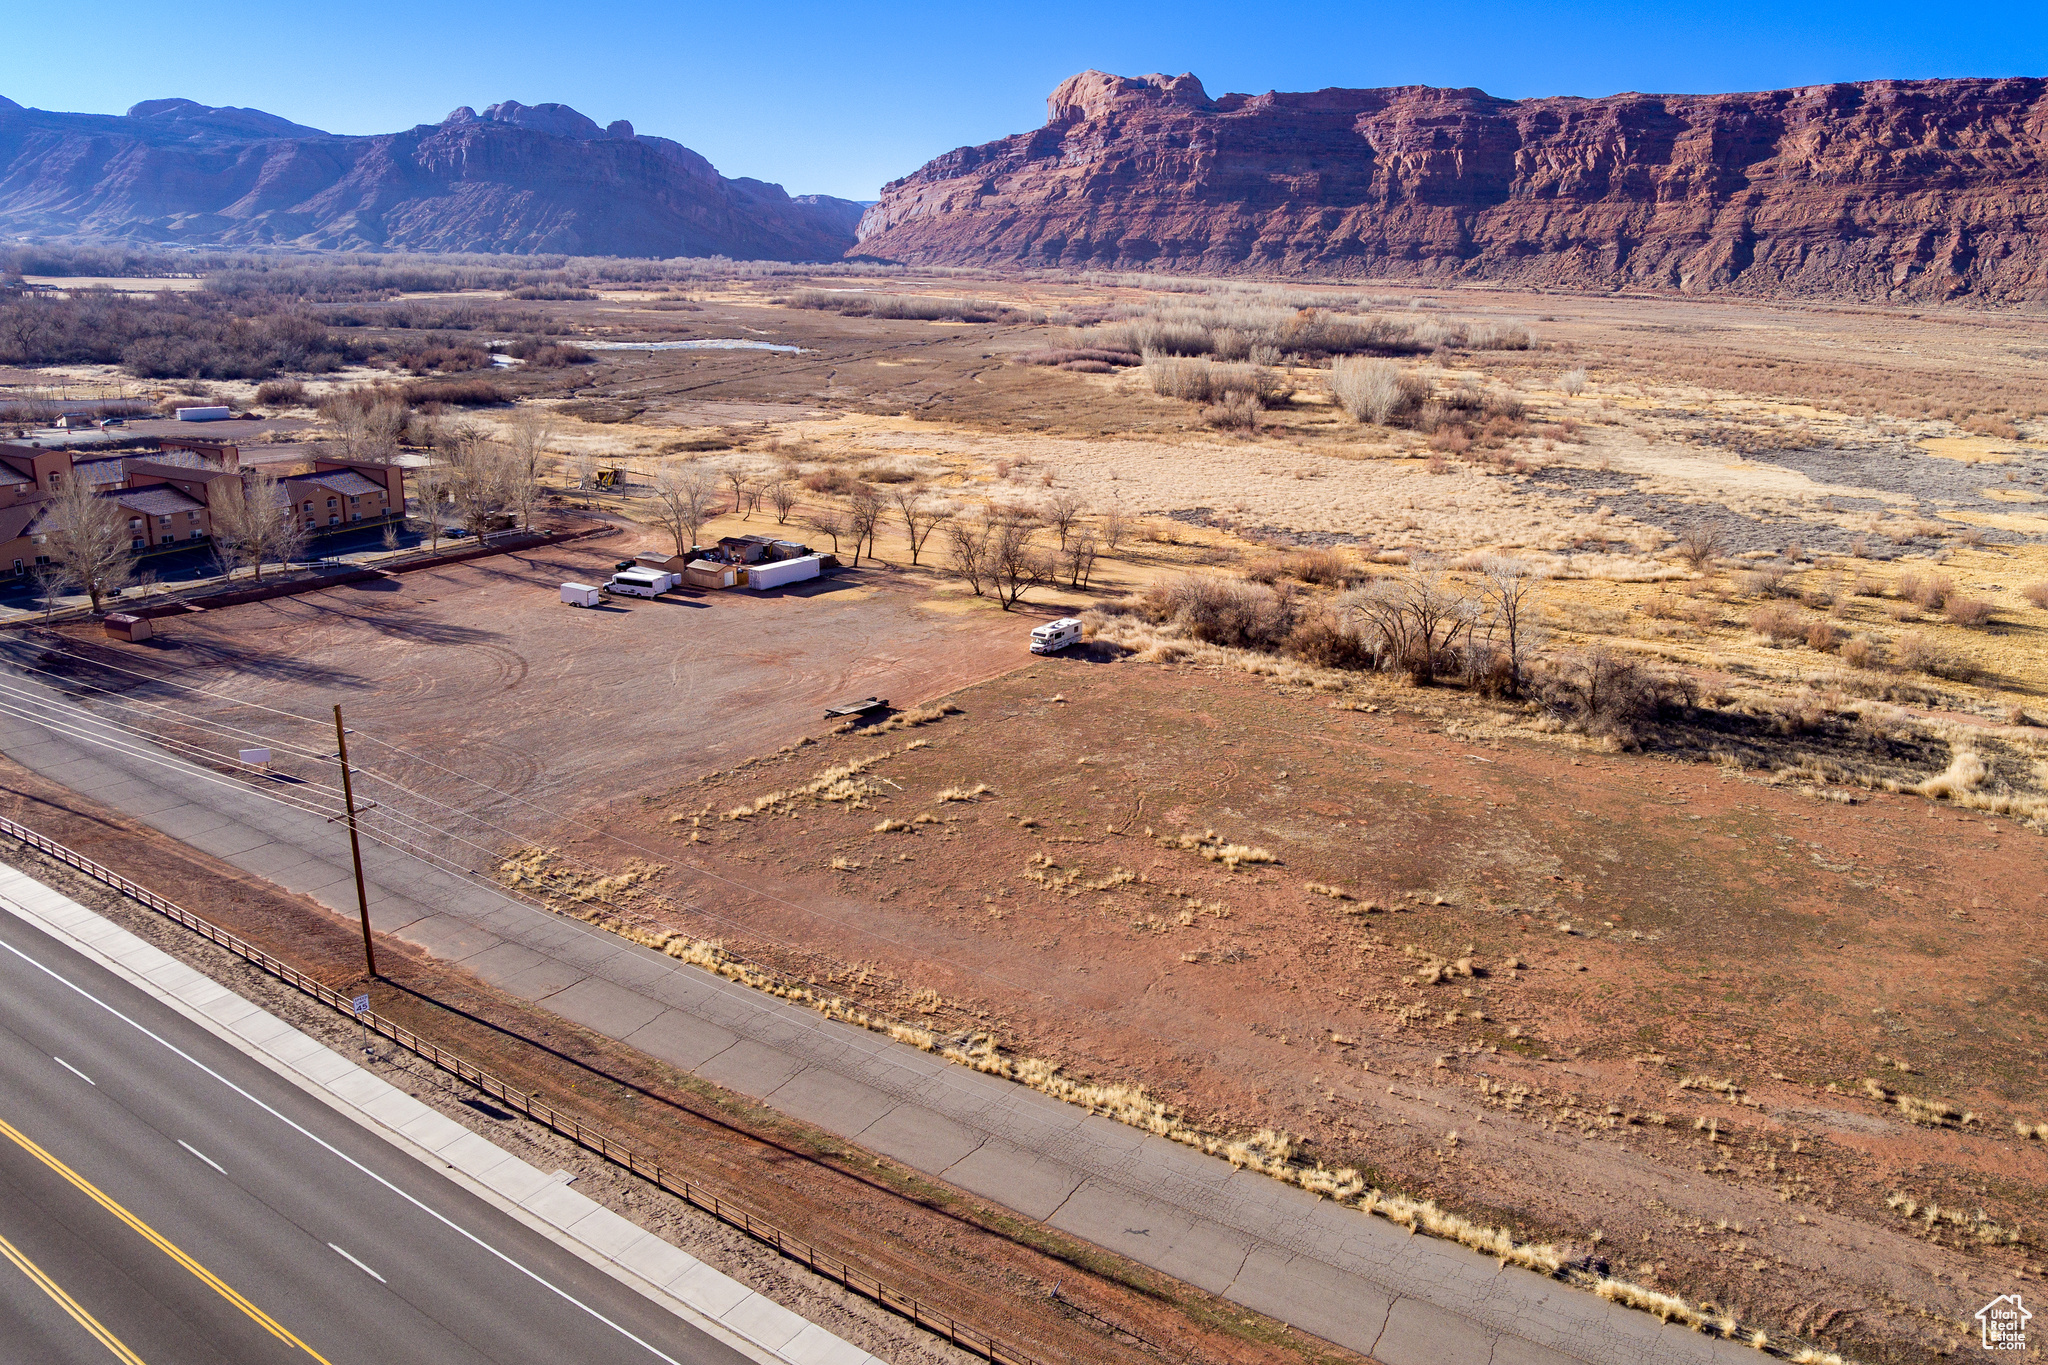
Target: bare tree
[[1080, 558], [89, 536], [430, 488], [736, 478], [1507, 593], [1115, 526], [52, 581], [586, 473], [254, 520], [920, 516], [527, 446], [1416, 620], [1062, 510], [863, 517], [829, 521], [968, 543], [782, 498], [683, 499], [1016, 564], [481, 479], [1701, 545]]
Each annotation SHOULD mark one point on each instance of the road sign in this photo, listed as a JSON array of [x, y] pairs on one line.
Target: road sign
[[361, 1004]]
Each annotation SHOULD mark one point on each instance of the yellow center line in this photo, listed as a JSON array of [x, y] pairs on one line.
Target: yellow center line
[[157, 1239], [68, 1304]]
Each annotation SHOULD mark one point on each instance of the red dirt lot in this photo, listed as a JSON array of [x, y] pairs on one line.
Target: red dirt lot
[[1673, 1085], [481, 661]]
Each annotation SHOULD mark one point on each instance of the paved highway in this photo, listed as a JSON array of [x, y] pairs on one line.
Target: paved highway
[[165, 1198]]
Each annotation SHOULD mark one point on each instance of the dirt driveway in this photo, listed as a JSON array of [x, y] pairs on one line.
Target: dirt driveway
[[481, 668]]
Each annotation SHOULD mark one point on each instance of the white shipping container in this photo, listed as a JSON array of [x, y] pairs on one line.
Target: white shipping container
[[204, 414], [580, 595], [783, 571]]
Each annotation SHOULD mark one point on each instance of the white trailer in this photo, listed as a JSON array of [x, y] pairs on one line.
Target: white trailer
[[639, 583], [1054, 636], [580, 595], [205, 414], [784, 571]]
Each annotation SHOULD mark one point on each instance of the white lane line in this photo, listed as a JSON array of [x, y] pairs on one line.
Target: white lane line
[[202, 1156], [307, 1133], [76, 1072], [357, 1264]]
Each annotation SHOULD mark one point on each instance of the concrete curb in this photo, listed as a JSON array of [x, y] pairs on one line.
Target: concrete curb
[[722, 1307]]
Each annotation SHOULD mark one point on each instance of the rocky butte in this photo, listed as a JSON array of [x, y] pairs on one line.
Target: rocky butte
[[517, 178], [1880, 190]]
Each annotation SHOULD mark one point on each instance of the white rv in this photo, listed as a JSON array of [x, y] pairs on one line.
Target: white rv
[[1054, 636], [639, 582]]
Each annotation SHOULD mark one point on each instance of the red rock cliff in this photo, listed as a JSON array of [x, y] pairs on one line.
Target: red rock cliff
[[1885, 189]]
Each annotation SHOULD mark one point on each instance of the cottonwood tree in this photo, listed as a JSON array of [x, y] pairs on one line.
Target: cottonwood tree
[[368, 431], [863, 516], [527, 446], [1507, 594], [89, 536], [967, 541], [1015, 562], [254, 521], [430, 489], [1417, 620], [1062, 510], [481, 479], [828, 521], [684, 495], [736, 479], [782, 498], [1080, 558], [920, 516], [1115, 526]]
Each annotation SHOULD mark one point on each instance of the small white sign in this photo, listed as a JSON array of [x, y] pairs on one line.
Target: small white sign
[[362, 1004], [2004, 1321], [257, 756]]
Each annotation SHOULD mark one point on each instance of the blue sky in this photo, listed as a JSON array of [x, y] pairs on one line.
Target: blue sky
[[836, 99]]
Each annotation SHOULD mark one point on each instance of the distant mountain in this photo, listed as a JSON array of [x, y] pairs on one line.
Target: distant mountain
[[1882, 189], [515, 178]]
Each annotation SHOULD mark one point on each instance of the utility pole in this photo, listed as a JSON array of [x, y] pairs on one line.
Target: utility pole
[[355, 845]]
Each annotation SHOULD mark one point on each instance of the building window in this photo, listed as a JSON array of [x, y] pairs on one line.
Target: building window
[[139, 544], [334, 520], [163, 521], [332, 503]]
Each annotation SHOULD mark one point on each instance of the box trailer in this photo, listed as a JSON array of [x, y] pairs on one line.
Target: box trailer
[[782, 572], [1054, 636], [205, 414], [123, 626], [581, 595], [639, 583]]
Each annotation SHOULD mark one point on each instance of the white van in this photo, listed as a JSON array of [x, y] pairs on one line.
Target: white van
[[639, 582], [1054, 636]]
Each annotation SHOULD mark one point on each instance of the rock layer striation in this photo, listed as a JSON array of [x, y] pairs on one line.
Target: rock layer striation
[[1883, 189], [516, 178]]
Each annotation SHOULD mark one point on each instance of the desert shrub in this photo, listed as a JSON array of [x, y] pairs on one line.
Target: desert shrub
[[1777, 621], [1320, 638], [170, 336], [907, 307], [1607, 693], [1268, 569], [281, 393], [1763, 581], [1323, 567], [1967, 611], [1701, 544], [435, 353], [1920, 653], [1861, 652], [1370, 390], [543, 354], [1237, 412], [1926, 591], [1822, 636], [456, 393], [1089, 367], [2036, 593], [551, 293], [1222, 611], [1068, 356], [887, 474], [1572, 383], [1205, 381], [1505, 403], [833, 481]]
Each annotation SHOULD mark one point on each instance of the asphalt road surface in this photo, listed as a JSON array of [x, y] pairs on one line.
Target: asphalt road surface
[[165, 1198]]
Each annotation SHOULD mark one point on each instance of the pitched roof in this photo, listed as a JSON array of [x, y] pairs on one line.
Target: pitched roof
[[16, 521], [346, 482], [12, 478], [100, 472], [158, 500]]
